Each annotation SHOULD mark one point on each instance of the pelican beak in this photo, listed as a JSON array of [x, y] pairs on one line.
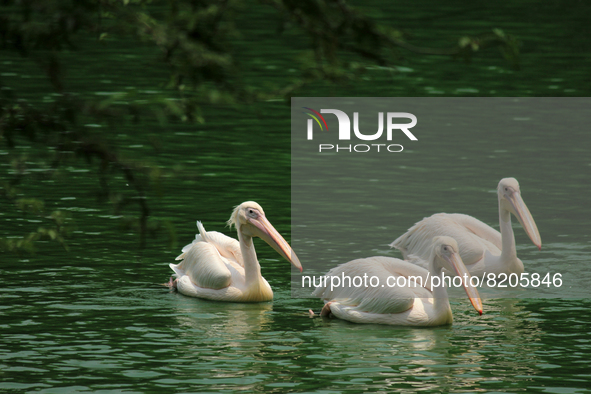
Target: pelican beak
[[458, 265], [525, 218], [267, 233]]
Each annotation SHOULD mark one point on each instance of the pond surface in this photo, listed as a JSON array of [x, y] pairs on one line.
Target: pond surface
[[96, 319]]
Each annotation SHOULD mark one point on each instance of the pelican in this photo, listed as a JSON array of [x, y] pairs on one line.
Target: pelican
[[217, 267], [416, 303], [483, 249]]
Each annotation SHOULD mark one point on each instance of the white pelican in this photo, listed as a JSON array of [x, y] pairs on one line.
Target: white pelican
[[483, 249], [220, 268], [415, 304]]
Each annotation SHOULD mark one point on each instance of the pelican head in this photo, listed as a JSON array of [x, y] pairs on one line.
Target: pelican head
[[511, 201], [249, 219], [446, 255]]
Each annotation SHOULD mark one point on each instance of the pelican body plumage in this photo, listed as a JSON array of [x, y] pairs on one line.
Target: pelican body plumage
[[483, 249], [217, 267], [416, 303]]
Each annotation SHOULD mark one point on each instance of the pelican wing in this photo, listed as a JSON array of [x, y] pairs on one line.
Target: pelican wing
[[383, 298], [209, 260], [479, 228], [226, 246], [473, 237]]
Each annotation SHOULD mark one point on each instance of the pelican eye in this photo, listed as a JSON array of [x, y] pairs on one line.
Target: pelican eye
[[506, 189]]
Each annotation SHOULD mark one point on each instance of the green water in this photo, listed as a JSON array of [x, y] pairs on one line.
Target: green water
[[95, 319]]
